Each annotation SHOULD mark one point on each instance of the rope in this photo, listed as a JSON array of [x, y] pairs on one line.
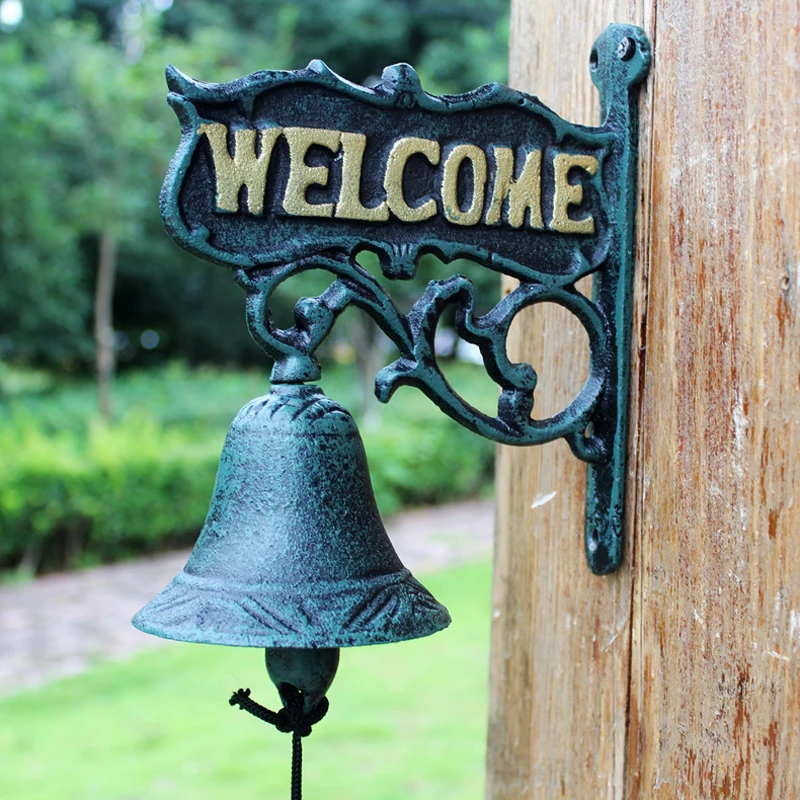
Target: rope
[[297, 766], [292, 718]]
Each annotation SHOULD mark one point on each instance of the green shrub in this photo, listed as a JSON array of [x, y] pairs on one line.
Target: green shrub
[[426, 464], [75, 491], [114, 491]]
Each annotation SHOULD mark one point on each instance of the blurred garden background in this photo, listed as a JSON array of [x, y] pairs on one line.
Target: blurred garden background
[[123, 360]]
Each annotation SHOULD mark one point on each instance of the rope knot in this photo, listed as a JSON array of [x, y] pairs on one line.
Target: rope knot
[[292, 718]]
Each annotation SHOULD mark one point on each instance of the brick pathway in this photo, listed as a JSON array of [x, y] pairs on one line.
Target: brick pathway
[[62, 624]]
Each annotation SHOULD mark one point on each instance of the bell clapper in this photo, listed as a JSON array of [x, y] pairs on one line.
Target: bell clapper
[[303, 676], [308, 670]]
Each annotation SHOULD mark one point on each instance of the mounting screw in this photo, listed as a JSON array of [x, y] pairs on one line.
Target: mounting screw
[[626, 49]]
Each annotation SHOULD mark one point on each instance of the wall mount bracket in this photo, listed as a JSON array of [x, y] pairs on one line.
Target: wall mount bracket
[[282, 172]]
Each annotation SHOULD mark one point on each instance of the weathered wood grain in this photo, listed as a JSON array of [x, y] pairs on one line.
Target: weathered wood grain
[[715, 707], [680, 676], [561, 636]]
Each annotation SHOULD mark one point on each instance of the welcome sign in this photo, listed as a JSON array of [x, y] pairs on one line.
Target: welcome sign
[[285, 171], [283, 164]]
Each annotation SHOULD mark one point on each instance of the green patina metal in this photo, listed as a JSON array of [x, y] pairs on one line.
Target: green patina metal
[[293, 553], [282, 172], [266, 248], [293, 558]]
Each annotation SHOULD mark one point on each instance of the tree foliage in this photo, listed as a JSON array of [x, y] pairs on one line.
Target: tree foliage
[[86, 139], [43, 301]]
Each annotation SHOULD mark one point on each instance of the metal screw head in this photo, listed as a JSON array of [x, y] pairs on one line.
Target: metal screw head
[[626, 49]]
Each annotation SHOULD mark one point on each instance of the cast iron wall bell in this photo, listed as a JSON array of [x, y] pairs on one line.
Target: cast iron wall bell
[[282, 172]]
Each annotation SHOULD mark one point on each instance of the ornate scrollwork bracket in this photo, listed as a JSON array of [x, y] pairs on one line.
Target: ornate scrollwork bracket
[[282, 172]]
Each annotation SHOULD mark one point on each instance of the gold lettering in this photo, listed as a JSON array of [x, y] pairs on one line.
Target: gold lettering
[[503, 176], [570, 194], [523, 194], [477, 159], [301, 176], [244, 169], [401, 151], [349, 205]]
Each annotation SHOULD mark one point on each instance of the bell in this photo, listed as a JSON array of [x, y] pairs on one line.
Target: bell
[[293, 553], [294, 558]]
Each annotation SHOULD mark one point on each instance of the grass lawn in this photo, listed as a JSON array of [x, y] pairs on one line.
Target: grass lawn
[[406, 721]]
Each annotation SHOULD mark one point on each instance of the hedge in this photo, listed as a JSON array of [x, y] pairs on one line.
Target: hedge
[[104, 492]]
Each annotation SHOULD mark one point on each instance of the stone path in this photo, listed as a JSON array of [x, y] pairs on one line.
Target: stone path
[[62, 624]]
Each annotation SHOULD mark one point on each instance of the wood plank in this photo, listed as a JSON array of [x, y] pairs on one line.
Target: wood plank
[[716, 650], [691, 654], [561, 636]]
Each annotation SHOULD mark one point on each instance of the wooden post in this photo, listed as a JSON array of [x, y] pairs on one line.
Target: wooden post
[[679, 676]]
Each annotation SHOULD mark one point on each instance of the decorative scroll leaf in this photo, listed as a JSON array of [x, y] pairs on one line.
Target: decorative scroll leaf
[[293, 349]]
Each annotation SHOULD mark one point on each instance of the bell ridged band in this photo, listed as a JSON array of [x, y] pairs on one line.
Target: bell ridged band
[[383, 609]]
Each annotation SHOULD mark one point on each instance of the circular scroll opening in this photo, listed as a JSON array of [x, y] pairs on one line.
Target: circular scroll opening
[[553, 340], [461, 363]]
